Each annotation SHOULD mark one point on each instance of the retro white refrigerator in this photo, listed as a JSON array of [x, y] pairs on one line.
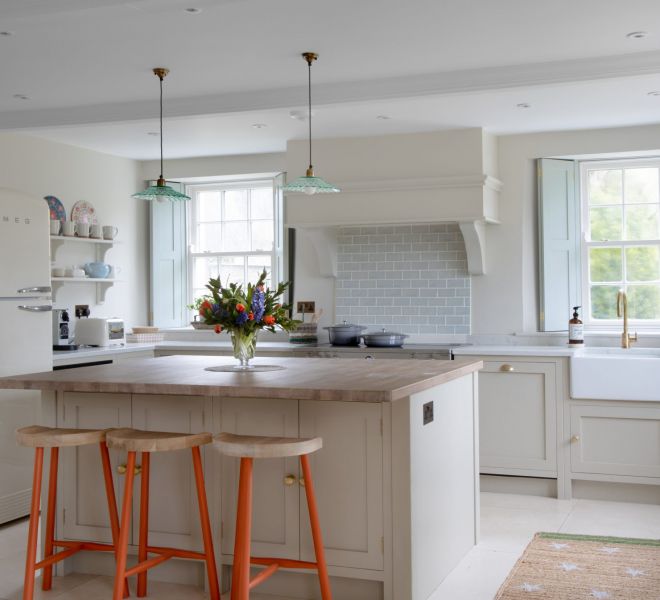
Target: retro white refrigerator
[[25, 335]]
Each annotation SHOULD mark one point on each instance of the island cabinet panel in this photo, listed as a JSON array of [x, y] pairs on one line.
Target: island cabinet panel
[[82, 492], [174, 513], [517, 418], [348, 480], [276, 504]]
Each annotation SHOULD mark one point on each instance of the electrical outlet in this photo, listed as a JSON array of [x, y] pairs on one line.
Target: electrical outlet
[[427, 412], [306, 306]]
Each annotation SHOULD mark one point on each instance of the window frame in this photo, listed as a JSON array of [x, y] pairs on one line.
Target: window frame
[[277, 252], [585, 243]]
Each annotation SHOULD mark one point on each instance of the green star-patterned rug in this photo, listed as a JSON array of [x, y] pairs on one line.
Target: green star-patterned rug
[[561, 566]]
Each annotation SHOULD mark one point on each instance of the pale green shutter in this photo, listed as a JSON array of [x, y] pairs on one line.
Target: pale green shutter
[[559, 242], [168, 262]]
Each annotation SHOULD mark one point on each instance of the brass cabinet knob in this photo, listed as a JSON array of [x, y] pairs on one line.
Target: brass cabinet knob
[[507, 368], [121, 469], [575, 438], [289, 480]]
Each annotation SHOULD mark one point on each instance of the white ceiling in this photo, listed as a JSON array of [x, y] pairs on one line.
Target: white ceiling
[[427, 64]]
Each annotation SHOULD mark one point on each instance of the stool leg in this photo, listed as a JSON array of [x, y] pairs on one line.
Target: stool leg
[[31, 559], [144, 524], [47, 577], [240, 579], [316, 529], [124, 528], [112, 502], [211, 571]]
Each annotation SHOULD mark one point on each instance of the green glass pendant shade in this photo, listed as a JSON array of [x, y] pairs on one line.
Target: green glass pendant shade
[[310, 185], [160, 193]]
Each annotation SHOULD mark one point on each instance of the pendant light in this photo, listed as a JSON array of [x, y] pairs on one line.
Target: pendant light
[[309, 184], [161, 192]]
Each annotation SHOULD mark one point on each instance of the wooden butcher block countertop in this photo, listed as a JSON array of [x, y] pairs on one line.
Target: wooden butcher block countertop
[[341, 379]]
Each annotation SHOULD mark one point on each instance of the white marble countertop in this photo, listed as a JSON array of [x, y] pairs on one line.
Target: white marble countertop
[[515, 350]]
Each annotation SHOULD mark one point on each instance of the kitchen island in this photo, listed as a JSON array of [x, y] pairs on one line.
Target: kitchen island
[[396, 479]]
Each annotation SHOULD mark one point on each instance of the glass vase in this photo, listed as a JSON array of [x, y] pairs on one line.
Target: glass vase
[[244, 345]]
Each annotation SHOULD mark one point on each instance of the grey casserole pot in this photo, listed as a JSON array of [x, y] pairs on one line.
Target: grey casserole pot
[[345, 334], [384, 339]]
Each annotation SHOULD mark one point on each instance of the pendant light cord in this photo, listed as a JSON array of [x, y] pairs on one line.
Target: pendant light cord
[[309, 108], [161, 125]]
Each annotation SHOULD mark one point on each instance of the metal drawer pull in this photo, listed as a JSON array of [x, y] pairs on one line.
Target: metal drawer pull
[[575, 438], [42, 308], [289, 480], [121, 469], [368, 357], [35, 290], [507, 368]]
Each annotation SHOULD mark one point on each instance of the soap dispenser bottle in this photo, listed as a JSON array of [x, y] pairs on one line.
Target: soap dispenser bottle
[[575, 328]]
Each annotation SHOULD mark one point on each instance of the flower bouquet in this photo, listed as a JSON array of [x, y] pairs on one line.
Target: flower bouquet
[[242, 313]]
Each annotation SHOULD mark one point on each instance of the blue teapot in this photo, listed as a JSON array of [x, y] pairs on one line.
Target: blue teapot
[[97, 270]]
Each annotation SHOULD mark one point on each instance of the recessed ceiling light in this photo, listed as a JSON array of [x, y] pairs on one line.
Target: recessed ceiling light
[[21, 97], [654, 93], [383, 117], [300, 115], [523, 105], [154, 133], [259, 125], [193, 11], [6, 33], [636, 35]]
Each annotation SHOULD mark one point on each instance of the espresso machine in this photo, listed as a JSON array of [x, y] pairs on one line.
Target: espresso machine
[[62, 330]]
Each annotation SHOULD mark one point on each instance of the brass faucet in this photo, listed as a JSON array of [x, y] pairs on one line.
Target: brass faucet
[[622, 311]]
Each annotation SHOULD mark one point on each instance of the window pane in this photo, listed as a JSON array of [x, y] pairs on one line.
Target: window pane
[[232, 269], [605, 264], [603, 301], [256, 264], [605, 187], [261, 200], [235, 205], [203, 269], [643, 263], [644, 301], [235, 236], [209, 237], [208, 206], [641, 185], [642, 222], [605, 223], [262, 235]]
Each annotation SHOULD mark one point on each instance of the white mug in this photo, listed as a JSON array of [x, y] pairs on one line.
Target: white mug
[[69, 228], [114, 271], [109, 232], [95, 232], [77, 272], [82, 229], [55, 226]]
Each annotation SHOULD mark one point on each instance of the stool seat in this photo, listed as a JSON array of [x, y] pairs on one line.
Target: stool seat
[[36, 436], [257, 446], [135, 440]]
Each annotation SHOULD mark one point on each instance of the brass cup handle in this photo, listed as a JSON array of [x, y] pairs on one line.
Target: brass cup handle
[[121, 469], [289, 480], [575, 438], [507, 368]]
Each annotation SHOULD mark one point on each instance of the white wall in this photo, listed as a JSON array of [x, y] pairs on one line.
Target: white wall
[[39, 168], [505, 300]]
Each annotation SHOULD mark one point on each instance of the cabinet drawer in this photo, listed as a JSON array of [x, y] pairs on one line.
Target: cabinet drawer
[[517, 424], [615, 440]]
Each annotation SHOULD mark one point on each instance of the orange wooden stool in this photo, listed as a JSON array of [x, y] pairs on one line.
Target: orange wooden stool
[[133, 441], [247, 448], [39, 438]]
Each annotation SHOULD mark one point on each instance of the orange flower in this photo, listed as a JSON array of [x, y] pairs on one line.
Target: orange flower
[[251, 316], [240, 308], [269, 320], [204, 307], [217, 329]]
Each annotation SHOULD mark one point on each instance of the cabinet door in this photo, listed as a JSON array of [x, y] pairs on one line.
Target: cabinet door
[[615, 440], [275, 510], [174, 512], [81, 475], [348, 481], [517, 417]]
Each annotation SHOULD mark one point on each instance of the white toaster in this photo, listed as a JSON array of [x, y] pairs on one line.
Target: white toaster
[[99, 332]]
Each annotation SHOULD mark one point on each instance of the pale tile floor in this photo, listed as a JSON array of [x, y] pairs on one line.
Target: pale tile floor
[[508, 523]]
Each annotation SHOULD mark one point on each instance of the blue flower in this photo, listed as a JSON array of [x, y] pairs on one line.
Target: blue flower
[[215, 308], [241, 318], [258, 304]]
